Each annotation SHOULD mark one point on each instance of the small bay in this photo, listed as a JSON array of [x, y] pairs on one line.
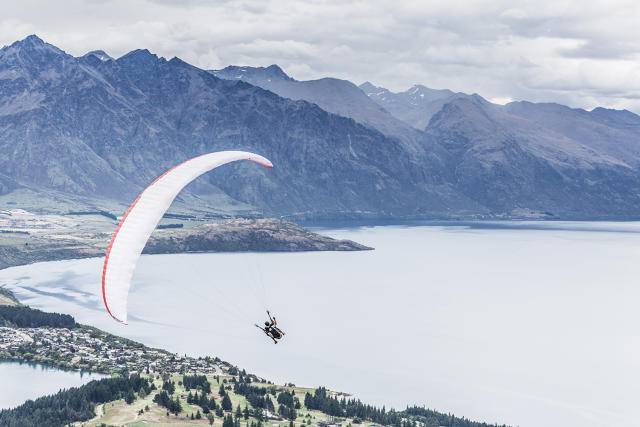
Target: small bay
[[23, 381]]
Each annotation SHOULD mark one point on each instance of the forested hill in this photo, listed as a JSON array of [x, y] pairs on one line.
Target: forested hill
[[26, 317], [151, 385], [191, 399], [75, 404]]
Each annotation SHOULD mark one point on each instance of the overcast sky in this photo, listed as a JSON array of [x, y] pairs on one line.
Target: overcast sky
[[581, 53]]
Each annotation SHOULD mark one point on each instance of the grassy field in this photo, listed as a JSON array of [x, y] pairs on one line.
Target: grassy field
[[119, 413]]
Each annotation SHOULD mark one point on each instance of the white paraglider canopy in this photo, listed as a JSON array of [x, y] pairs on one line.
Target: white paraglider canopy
[[142, 217]]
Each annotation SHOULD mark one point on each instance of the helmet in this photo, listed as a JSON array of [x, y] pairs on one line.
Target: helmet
[[267, 324]]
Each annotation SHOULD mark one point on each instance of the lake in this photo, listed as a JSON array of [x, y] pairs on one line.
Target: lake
[[522, 323], [22, 381]]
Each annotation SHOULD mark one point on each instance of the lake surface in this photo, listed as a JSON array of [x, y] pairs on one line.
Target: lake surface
[[529, 324], [21, 382]]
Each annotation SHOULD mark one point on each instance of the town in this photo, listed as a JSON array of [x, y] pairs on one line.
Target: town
[[91, 350]]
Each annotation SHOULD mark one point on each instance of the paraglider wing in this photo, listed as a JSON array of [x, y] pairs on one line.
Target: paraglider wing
[[142, 217]]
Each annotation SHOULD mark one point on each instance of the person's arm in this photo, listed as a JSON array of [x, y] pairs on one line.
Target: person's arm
[[270, 318], [274, 321]]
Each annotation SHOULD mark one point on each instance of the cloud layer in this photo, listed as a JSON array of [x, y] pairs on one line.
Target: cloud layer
[[578, 53]]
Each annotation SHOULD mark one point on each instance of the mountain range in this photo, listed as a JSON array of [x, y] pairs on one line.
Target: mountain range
[[335, 96], [97, 129]]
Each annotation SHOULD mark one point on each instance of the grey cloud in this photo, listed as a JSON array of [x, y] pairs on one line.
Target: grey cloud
[[606, 49], [582, 53]]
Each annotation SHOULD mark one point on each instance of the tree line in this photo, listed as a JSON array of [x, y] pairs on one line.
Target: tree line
[[26, 317], [173, 405], [321, 400], [288, 405], [203, 401], [258, 397], [196, 382]]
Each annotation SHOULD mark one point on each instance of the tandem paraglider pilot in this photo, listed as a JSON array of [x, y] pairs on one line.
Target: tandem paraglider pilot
[[271, 329]]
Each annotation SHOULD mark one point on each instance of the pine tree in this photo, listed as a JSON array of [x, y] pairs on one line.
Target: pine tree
[[177, 407], [269, 404], [257, 412], [226, 403], [228, 421]]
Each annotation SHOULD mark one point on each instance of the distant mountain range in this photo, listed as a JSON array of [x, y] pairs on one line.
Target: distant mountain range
[[99, 129], [415, 106], [335, 96]]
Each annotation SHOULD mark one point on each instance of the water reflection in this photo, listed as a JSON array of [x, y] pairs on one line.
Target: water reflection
[[22, 381]]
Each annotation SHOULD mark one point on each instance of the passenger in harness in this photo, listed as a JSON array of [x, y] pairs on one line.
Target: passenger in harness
[[271, 329]]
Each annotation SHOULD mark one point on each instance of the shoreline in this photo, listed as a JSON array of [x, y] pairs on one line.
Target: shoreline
[[319, 406], [27, 238]]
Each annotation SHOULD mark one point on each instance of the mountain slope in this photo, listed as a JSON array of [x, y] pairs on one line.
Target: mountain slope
[[38, 139], [511, 160], [613, 132], [333, 95], [106, 128]]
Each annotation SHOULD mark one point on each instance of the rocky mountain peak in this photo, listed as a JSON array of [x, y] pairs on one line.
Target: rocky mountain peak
[[100, 54], [421, 93], [417, 89], [139, 56], [30, 47], [274, 70], [371, 89], [624, 117], [252, 74], [30, 41], [415, 106], [465, 114]]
